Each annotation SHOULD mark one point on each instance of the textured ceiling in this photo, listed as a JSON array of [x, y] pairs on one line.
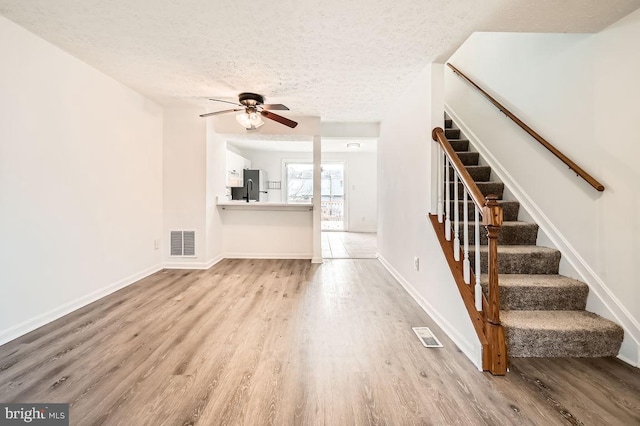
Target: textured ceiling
[[341, 60]]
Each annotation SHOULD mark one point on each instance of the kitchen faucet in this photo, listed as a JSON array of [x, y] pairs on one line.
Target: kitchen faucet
[[248, 188]]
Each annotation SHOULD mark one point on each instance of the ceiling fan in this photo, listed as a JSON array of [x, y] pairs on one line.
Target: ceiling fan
[[254, 107]]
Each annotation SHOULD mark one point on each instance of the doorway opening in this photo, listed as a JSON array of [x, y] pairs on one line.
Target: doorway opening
[[349, 197], [299, 189], [332, 203]]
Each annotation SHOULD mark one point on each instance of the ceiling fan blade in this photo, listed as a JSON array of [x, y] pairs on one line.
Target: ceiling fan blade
[[209, 114], [280, 119], [226, 102], [275, 107]]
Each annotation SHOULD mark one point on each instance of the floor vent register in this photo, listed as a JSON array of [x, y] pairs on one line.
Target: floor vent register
[[426, 337]]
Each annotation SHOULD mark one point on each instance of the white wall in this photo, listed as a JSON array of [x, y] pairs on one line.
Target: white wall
[[80, 183], [404, 200], [194, 176], [579, 92], [342, 130], [185, 182], [617, 131], [215, 187]]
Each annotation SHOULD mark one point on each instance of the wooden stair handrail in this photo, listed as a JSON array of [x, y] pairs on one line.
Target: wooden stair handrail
[[476, 195], [492, 337], [573, 166]]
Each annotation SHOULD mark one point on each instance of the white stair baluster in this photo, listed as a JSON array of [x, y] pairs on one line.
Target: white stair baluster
[[466, 264], [447, 201], [440, 162], [456, 219], [478, 287]]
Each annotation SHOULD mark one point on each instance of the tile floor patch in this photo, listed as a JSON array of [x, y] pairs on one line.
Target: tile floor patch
[[349, 245]]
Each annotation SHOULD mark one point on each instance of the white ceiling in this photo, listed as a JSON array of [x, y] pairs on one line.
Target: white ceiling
[[341, 60]]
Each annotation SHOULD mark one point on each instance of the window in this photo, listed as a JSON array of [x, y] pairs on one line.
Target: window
[[299, 182]]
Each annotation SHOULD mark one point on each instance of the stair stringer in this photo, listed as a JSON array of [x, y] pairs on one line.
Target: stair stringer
[[601, 300]]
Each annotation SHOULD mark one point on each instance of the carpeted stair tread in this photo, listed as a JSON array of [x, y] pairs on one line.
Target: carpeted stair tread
[[510, 209], [459, 144], [543, 313], [478, 173], [487, 188], [560, 334], [511, 233], [452, 133], [469, 158], [540, 292], [518, 259]]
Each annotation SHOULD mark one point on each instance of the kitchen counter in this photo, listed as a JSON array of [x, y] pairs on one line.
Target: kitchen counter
[[262, 205], [267, 230]]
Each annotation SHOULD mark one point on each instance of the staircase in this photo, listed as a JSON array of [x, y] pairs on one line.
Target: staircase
[[543, 313]]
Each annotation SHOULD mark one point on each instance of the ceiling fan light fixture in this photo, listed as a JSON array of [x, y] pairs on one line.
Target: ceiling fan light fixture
[[249, 121], [255, 119], [254, 109]]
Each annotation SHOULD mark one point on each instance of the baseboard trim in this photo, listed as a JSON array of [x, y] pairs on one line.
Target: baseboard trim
[[304, 256], [38, 321], [629, 361], [194, 265], [611, 306], [474, 355]]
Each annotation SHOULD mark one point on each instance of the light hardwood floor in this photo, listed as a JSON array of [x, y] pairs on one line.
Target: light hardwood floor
[[282, 342]]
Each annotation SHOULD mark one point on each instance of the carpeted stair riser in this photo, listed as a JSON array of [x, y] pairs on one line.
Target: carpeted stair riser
[[452, 133], [448, 123], [459, 145], [520, 259], [478, 173], [511, 233], [560, 334], [510, 209], [540, 292], [487, 188]]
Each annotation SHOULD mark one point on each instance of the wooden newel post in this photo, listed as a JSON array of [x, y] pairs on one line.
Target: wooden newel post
[[492, 220]]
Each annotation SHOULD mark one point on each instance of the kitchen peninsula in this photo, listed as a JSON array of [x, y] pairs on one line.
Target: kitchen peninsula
[[267, 230], [282, 218], [264, 205]]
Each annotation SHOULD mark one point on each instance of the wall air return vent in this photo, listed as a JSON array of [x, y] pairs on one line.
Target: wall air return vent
[[183, 243]]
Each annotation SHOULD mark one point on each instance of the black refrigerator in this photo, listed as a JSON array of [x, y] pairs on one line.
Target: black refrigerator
[[255, 181]]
